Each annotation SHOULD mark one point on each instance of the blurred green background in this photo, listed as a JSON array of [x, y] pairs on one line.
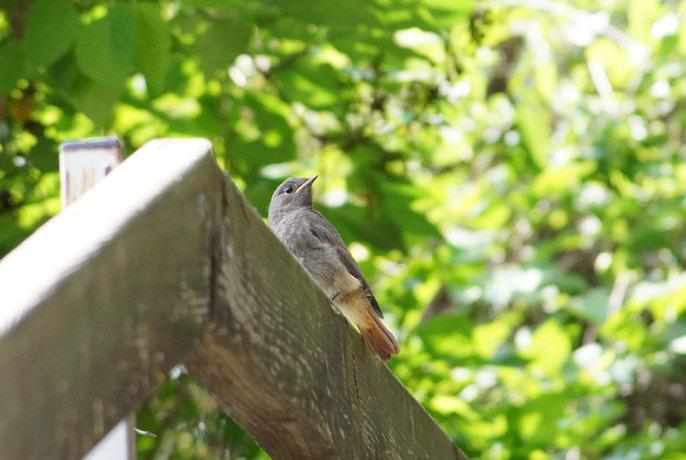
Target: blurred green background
[[509, 175]]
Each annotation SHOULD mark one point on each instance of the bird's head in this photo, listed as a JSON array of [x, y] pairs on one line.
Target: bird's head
[[292, 194]]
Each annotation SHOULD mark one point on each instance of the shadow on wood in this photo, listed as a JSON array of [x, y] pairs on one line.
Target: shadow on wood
[[163, 258]]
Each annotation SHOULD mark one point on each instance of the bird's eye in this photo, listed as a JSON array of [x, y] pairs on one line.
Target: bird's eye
[[288, 189]]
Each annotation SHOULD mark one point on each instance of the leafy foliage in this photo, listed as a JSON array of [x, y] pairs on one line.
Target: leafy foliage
[[509, 178]]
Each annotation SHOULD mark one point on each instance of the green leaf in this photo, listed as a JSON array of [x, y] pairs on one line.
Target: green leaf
[[318, 87], [153, 46], [449, 404], [51, 30], [256, 154], [625, 326], [591, 306], [355, 223], [446, 13], [105, 51], [550, 347], [97, 100], [489, 336], [397, 203], [212, 4], [539, 418], [11, 233], [534, 124], [448, 335], [339, 14], [66, 75], [44, 155], [206, 125], [13, 64], [461, 6], [222, 44]]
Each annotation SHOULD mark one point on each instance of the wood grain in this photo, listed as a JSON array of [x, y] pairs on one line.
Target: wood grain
[[163, 258], [291, 370], [103, 300]]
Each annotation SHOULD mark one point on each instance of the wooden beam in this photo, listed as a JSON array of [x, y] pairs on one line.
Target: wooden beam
[[103, 300], [164, 256], [291, 370]]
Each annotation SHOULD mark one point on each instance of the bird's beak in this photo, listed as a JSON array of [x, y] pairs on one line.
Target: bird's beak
[[308, 183]]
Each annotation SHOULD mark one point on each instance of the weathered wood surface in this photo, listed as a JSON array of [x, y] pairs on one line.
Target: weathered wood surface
[[291, 370], [103, 300], [163, 257], [84, 163]]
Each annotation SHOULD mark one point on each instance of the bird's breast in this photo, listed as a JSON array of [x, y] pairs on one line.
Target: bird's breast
[[319, 258]]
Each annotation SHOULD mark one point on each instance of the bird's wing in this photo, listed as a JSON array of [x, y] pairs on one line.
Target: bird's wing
[[326, 233]]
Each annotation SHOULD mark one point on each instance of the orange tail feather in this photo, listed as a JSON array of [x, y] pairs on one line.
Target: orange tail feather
[[379, 339]]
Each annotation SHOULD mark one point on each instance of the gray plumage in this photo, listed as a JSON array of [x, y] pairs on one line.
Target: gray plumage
[[314, 241]]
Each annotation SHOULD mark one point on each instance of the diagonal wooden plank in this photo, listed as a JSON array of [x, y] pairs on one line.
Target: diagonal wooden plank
[[291, 370], [157, 258]]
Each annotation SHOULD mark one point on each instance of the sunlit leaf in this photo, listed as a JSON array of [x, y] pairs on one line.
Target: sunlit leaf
[[534, 124], [550, 347], [447, 335], [540, 417]]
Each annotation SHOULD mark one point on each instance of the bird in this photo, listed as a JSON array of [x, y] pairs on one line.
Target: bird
[[321, 250]]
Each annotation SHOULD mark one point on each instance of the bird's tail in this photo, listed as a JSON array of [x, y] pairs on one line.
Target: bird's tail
[[379, 339]]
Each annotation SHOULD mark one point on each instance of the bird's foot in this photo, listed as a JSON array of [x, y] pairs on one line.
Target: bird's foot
[[333, 297]]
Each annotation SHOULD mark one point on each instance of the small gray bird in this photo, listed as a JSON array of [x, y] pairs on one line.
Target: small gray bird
[[320, 249]]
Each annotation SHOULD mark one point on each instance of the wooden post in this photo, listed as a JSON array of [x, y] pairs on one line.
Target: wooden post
[[172, 259], [83, 163]]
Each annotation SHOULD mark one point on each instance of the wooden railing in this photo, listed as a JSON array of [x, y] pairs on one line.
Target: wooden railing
[[165, 262]]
